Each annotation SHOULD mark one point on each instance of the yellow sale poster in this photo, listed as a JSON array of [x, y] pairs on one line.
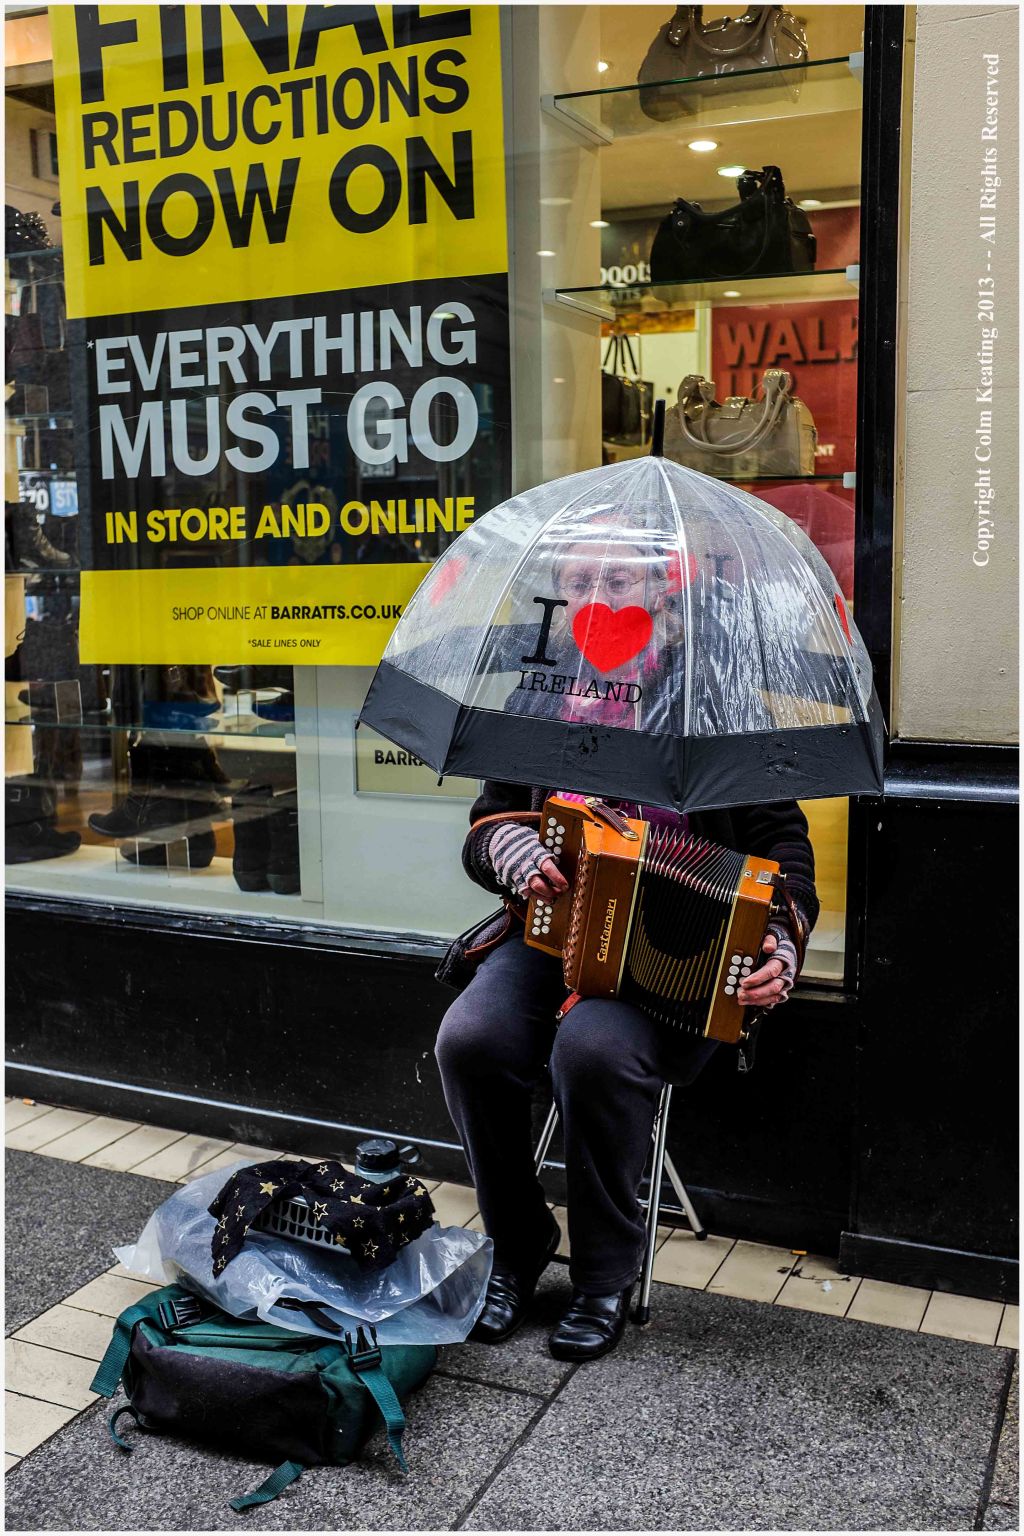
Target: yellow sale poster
[[286, 268]]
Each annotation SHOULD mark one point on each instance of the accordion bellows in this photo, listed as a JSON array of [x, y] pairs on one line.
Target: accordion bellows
[[658, 918]]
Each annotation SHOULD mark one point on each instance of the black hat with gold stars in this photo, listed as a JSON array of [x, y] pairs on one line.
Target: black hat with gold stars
[[373, 1221]]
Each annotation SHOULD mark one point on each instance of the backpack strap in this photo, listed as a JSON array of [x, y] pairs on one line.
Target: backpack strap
[[112, 1426], [169, 1308], [365, 1360], [108, 1373], [269, 1489]]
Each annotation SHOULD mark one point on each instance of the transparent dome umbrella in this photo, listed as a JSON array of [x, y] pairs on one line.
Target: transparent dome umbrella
[[640, 631]]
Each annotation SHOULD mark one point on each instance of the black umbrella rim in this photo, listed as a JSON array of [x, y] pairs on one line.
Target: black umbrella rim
[[682, 774]]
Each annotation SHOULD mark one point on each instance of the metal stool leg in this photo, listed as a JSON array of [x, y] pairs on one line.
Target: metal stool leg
[[661, 1164], [696, 1225], [642, 1312], [545, 1137]]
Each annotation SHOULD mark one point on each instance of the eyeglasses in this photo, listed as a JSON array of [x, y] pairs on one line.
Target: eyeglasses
[[617, 583]]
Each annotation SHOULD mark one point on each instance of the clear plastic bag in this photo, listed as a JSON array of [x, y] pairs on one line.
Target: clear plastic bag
[[431, 1294]]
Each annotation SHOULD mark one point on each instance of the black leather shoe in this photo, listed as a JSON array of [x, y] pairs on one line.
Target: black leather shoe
[[509, 1293], [591, 1327]]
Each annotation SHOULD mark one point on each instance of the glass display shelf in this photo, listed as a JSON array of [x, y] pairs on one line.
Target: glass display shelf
[[628, 450], [236, 727], [35, 416], [610, 300], [821, 88]]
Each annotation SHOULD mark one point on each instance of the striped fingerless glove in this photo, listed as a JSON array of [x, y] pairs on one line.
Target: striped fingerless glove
[[515, 853], [786, 951]]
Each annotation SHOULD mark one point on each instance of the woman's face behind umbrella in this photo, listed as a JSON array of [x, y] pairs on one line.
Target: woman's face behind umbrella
[[606, 585], [619, 580]]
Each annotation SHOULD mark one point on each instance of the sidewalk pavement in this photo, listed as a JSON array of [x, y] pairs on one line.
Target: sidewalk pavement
[[724, 1414]]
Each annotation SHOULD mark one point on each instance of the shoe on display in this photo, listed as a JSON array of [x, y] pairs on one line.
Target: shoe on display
[[283, 866], [32, 549], [280, 708], [143, 811], [30, 823], [252, 679], [252, 810], [47, 653], [509, 1293], [201, 848], [592, 1326], [190, 771]]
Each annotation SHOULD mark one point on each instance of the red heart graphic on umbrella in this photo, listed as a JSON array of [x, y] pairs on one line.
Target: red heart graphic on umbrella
[[608, 637]]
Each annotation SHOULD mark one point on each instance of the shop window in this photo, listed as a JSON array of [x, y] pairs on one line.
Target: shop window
[[218, 786]]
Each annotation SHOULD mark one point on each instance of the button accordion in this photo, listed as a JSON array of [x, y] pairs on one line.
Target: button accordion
[[654, 916]]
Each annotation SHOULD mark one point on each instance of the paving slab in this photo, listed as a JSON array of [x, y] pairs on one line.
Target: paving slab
[[458, 1434], [32, 1370], [1003, 1512], [28, 1422], [732, 1415], [62, 1220], [85, 1334], [523, 1361]]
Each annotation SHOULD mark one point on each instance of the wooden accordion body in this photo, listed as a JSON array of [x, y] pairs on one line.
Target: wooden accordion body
[[658, 918]]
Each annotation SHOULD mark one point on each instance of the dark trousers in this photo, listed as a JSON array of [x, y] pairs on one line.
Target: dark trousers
[[608, 1062]]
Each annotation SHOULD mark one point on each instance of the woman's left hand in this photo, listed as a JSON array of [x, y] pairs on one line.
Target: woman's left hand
[[772, 982]]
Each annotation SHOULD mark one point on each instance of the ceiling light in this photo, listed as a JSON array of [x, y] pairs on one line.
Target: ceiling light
[[558, 381], [545, 253], [810, 202], [602, 65], [703, 146], [555, 202], [599, 224], [731, 293], [732, 171]]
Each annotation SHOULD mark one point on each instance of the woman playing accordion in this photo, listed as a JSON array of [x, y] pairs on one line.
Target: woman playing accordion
[[607, 1058]]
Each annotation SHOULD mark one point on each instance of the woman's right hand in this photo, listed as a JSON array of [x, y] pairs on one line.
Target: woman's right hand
[[549, 881], [522, 863]]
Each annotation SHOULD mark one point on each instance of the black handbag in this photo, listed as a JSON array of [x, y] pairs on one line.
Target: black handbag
[[627, 401], [464, 954], [765, 232], [466, 951]]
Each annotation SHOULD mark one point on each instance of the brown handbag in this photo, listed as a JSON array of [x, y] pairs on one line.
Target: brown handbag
[[742, 438], [687, 49], [468, 950]]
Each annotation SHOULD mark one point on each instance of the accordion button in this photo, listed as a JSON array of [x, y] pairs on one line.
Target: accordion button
[[729, 991], [735, 959], [560, 831], [748, 959]]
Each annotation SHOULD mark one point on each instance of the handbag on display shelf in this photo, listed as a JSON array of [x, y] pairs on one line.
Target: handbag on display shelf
[[627, 400], [687, 48], [741, 437], [764, 233]]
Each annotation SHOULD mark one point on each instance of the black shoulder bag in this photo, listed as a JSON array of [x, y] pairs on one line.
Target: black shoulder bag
[[466, 952]]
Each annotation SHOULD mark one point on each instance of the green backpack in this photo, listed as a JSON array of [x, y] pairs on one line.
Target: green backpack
[[254, 1389]]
